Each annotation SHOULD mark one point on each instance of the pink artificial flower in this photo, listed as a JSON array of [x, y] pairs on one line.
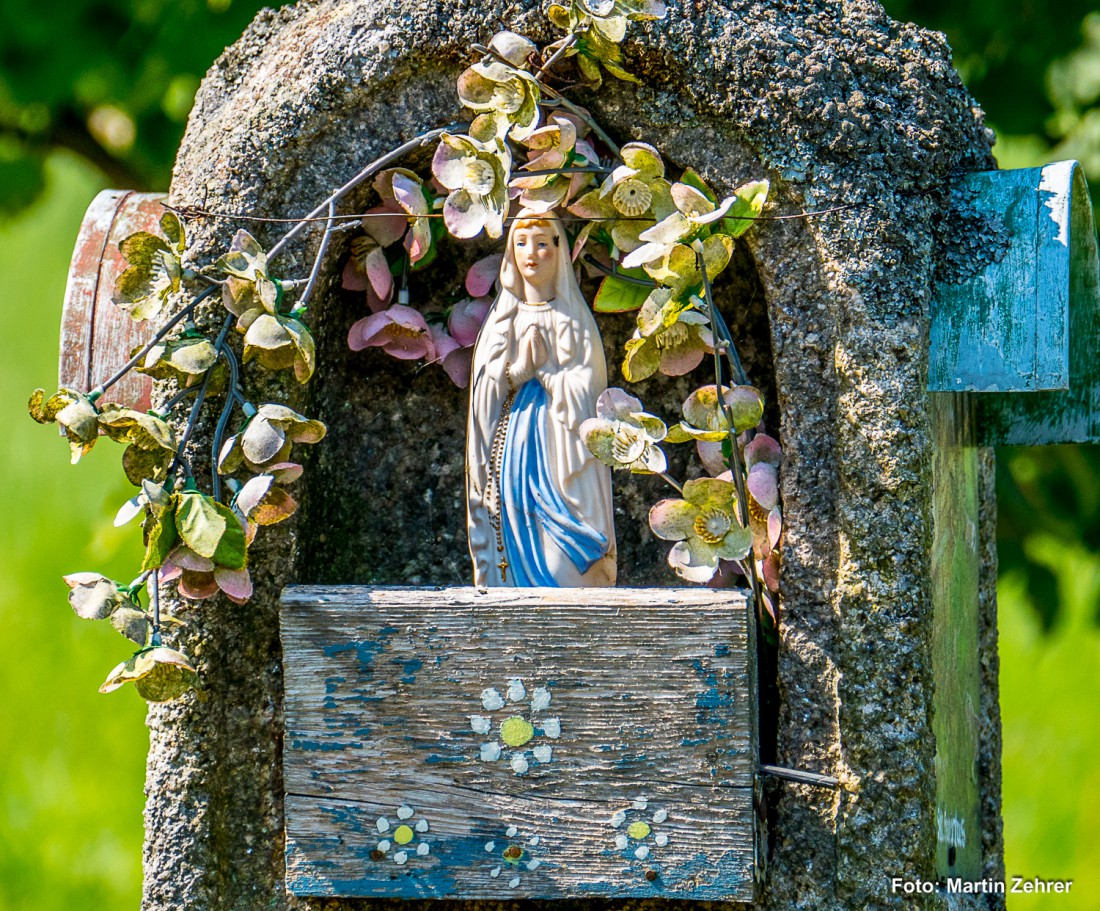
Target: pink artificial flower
[[200, 578], [452, 356], [400, 331], [466, 319], [482, 275], [454, 346]]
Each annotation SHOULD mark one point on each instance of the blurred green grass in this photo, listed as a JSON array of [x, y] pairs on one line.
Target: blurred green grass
[[71, 760], [1050, 690]]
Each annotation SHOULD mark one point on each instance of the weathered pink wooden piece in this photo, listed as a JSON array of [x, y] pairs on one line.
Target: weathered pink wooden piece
[[96, 335]]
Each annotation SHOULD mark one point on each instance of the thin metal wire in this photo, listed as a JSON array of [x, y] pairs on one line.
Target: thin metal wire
[[376, 165], [348, 221], [736, 466], [161, 333], [154, 599], [233, 395], [811, 778], [315, 272], [197, 407]]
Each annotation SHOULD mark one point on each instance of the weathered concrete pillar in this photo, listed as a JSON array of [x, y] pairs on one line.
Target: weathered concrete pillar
[[838, 106]]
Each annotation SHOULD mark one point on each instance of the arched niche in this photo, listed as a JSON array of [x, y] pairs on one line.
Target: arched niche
[[844, 110]]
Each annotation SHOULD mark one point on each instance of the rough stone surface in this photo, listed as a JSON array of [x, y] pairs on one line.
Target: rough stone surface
[[838, 106]]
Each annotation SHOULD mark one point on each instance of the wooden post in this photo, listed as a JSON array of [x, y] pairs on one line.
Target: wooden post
[[97, 336]]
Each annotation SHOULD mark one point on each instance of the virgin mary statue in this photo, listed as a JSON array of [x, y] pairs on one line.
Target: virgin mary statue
[[538, 503]]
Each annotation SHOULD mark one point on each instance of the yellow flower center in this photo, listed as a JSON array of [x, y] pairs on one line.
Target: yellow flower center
[[638, 830], [403, 835], [628, 445], [516, 731], [673, 336], [632, 198], [711, 525], [508, 96], [396, 330], [480, 176], [512, 854]]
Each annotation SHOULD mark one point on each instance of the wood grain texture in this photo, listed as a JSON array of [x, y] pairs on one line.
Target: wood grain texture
[[1024, 331], [96, 335], [1072, 415], [398, 697], [1005, 329], [956, 657]]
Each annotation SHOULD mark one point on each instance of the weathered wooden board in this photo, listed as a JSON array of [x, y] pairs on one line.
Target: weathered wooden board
[[1024, 329], [1006, 328], [955, 642], [551, 743], [96, 335], [1073, 415]]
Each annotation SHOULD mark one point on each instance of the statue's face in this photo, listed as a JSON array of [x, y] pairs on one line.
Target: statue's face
[[535, 252]]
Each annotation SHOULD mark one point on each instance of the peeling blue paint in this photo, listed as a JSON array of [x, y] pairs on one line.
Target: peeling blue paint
[[325, 746], [411, 667]]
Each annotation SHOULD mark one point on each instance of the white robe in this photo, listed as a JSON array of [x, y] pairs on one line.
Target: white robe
[[574, 375]]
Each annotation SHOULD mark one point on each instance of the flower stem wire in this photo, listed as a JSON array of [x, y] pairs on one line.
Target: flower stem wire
[[315, 272], [154, 601], [672, 481], [148, 346], [736, 466], [415, 143], [556, 56], [192, 420], [234, 395]]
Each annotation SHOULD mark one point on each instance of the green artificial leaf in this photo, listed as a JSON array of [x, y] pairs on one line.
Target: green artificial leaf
[[559, 16], [747, 406], [618, 296], [750, 203], [154, 274], [676, 434], [133, 624], [74, 411], [158, 674], [161, 534], [142, 248], [200, 524], [39, 409], [211, 530], [692, 179], [172, 227], [642, 359], [232, 552], [141, 464], [138, 428], [619, 73], [184, 359], [166, 682]]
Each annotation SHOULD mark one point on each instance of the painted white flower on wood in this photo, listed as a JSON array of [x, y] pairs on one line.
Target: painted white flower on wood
[[635, 825], [521, 735], [397, 834], [514, 855]]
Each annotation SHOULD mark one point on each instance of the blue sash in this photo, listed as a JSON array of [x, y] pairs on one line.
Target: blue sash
[[532, 499]]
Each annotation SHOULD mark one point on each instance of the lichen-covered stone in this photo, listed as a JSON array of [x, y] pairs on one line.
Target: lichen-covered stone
[[838, 106]]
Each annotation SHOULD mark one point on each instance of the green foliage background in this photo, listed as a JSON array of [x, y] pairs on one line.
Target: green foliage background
[[95, 93]]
